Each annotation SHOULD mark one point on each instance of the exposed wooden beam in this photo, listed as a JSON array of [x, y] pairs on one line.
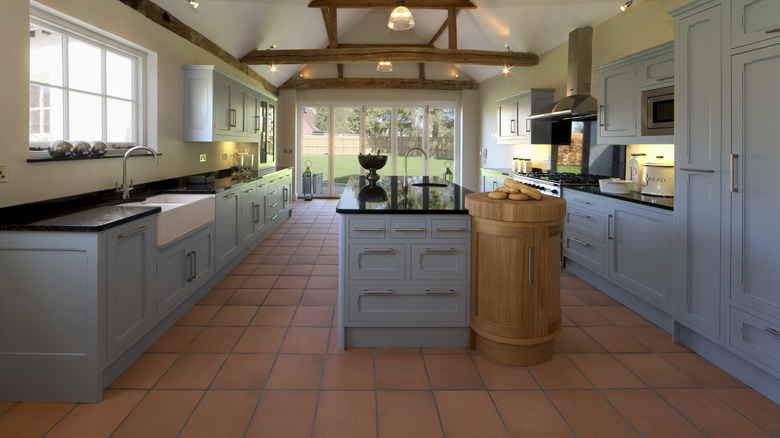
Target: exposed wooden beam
[[329, 15], [453, 28], [168, 21], [439, 32], [389, 4], [400, 54], [416, 84], [363, 46], [422, 70]]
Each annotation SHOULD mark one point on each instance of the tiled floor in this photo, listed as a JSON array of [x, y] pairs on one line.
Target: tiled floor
[[257, 357]]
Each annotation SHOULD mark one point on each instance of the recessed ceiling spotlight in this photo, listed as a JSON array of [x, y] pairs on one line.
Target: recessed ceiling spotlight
[[624, 7], [193, 4], [273, 68], [506, 69]]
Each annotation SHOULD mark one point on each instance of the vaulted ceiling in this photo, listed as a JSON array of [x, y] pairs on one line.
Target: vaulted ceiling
[[243, 26]]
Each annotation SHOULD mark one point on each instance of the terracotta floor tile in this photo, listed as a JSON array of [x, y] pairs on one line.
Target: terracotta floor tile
[[469, 414], [498, 376], [345, 414], [244, 371], [327, 260], [407, 414], [303, 259], [32, 420], [452, 371], [325, 269], [221, 413], [216, 297], [585, 316], [259, 282], [702, 371], [288, 243], [296, 371], [759, 409], [593, 297], [273, 315], [234, 316], [276, 259], [323, 281], [655, 371], [283, 297], [656, 339], [198, 315], [244, 268], [257, 257], [288, 414], [650, 415], [566, 322], [710, 414], [261, 251], [309, 249], [530, 414], [231, 281], [175, 340], [434, 350], [344, 371], [589, 415], [270, 243], [4, 406], [161, 414], [248, 297], [304, 270], [559, 373], [283, 250], [314, 316], [333, 345], [569, 282], [306, 340], [215, 340], [191, 371], [261, 340], [98, 419], [291, 282], [145, 371], [317, 297], [401, 371], [615, 340], [264, 269], [314, 235], [604, 371], [623, 316], [569, 299], [574, 340]]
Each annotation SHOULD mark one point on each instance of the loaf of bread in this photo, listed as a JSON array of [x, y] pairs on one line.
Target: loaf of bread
[[518, 197], [509, 182], [498, 195], [509, 190], [531, 192]]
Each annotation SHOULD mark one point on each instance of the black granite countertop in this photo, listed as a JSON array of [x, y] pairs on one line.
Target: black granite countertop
[[389, 196], [653, 201], [98, 211]]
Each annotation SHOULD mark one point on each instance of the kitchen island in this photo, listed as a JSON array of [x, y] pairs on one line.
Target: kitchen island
[[404, 263]]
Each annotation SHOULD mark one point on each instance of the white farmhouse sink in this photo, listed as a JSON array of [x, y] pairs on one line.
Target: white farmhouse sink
[[181, 213]]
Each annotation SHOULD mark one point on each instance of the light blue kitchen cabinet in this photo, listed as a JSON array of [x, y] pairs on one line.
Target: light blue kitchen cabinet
[[618, 103], [227, 226], [274, 199], [182, 267], [437, 261], [492, 180], [287, 189], [698, 171], [130, 306], [514, 127], [260, 220], [247, 215], [753, 21], [404, 305]]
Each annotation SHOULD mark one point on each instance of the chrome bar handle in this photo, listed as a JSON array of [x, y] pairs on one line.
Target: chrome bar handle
[[377, 292], [189, 261], [732, 161], [777, 29], [451, 230], [688, 169], [410, 229], [284, 194], [581, 201], [609, 226], [233, 118], [377, 249], [665, 78], [512, 126], [579, 241], [773, 331], [368, 229], [527, 125], [122, 236], [530, 264], [440, 250], [602, 122], [194, 265], [576, 213], [439, 292]]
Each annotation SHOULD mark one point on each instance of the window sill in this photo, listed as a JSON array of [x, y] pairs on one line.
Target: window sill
[[44, 157]]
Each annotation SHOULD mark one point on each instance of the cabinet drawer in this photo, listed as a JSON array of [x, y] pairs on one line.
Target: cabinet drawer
[[377, 261], [756, 338], [586, 223], [657, 71], [585, 251], [753, 21], [373, 228], [584, 200], [408, 228], [395, 305], [439, 262], [451, 228]]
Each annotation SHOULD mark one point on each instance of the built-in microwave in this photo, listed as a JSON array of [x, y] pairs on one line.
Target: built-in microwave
[[658, 111]]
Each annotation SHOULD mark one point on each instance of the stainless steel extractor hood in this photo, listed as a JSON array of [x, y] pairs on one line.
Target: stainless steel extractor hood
[[578, 104]]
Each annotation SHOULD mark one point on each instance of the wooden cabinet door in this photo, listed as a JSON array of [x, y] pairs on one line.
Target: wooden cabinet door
[[618, 102], [754, 198], [698, 173]]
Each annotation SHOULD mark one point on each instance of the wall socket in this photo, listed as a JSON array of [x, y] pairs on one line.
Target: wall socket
[[224, 157], [202, 158], [3, 174]]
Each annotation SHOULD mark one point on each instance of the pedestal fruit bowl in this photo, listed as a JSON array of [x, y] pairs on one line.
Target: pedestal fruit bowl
[[372, 163]]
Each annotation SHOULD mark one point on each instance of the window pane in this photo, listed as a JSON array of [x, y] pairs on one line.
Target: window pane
[[45, 56], [314, 143], [119, 75], [84, 66], [378, 125], [85, 117], [346, 124], [441, 140], [45, 113], [119, 119], [410, 132]]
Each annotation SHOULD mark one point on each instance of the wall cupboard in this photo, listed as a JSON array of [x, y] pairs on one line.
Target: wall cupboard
[[513, 124]]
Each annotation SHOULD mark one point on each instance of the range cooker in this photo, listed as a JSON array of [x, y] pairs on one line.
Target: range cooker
[[551, 183]]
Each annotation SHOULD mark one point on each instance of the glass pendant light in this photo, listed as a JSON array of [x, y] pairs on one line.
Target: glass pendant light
[[401, 17], [384, 66]]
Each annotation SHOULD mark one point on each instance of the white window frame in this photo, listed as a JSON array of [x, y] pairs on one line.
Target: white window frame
[[144, 80]]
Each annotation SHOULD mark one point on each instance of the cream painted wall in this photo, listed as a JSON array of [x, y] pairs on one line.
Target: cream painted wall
[[644, 25], [29, 182]]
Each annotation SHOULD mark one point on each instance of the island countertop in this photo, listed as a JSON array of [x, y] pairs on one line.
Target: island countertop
[[389, 196]]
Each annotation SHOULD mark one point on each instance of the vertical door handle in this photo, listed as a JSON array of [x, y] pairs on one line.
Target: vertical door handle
[[527, 125], [609, 226], [602, 122], [189, 262], [194, 265], [512, 126], [233, 117], [732, 163]]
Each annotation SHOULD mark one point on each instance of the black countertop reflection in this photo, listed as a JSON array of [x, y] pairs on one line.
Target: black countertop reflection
[[638, 198], [389, 196]]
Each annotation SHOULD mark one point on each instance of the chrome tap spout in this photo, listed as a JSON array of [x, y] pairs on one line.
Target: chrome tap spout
[[406, 160], [125, 188]]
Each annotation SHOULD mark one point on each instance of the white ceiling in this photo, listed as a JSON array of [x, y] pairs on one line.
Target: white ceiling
[[240, 26]]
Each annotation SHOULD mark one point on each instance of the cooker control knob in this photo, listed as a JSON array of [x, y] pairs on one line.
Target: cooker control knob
[[554, 192]]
